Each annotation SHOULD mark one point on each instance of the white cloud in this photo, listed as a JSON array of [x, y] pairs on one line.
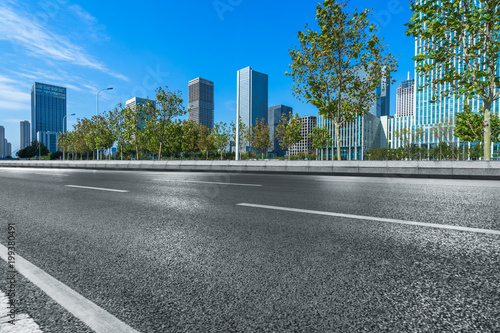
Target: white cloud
[[41, 42]]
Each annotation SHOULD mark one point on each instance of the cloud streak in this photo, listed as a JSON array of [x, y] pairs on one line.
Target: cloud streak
[[41, 42]]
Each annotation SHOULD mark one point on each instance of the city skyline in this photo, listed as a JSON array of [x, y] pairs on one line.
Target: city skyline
[[84, 49]]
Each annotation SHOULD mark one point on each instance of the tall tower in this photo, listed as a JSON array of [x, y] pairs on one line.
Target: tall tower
[[25, 134], [385, 97], [201, 102], [2, 144], [404, 98], [275, 114], [48, 108]]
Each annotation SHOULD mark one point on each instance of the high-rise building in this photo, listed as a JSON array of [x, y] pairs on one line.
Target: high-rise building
[[25, 134], [252, 97], [305, 145], [48, 108], [356, 137], [2, 139], [7, 148], [275, 113], [385, 97], [134, 101], [404, 98], [201, 102]]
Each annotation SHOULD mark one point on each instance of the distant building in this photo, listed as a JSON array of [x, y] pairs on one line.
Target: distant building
[[252, 97], [356, 137], [305, 145], [275, 113], [2, 145], [7, 148], [48, 109], [201, 102], [133, 102], [385, 97], [25, 134], [404, 98]]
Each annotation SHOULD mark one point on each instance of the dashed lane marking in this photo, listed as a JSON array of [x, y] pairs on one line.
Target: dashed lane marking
[[88, 312], [203, 182], [371, 218], [97, 188]]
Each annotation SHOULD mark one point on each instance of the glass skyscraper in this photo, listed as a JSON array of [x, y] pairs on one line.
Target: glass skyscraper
[[48, 108], [275, 114], [201, 102], [25, 134]]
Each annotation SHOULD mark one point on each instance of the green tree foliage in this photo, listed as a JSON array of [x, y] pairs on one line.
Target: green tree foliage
[[288, 131], [339, 68], [321, 138], [134, 120], [260, 137], [243, 134], [463, 38], [469, 126], [159, 116], [32, 150], [409, 137], [205, 141], [116, 119], [190, 136], [221, 136], [81, 130]]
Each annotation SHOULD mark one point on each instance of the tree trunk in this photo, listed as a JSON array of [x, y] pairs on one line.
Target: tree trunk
[[136, 151], [337, 139], [159, 152], [487, 130]]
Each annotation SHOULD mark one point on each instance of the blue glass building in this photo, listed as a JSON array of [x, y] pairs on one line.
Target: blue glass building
[[275, 114], [252, 96], [48, 108]]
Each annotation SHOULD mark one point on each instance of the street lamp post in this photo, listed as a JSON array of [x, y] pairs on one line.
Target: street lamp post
[[97, 109], [64, 128]]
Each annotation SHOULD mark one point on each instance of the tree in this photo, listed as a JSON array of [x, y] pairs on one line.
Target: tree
[[462, 52], [259, 136], [288, 131], [339, 68], [243, 134], [408, 138], [442, 131], [221, 136], [117, 126], [320, 138], [469, 126], [33, 150], [160, 114], [63, 142], [205, 140], [134, 120], [190, 135]]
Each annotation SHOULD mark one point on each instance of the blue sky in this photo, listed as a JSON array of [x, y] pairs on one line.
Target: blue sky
[[135, 47]]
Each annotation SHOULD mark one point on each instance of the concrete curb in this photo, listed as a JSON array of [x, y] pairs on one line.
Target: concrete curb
[[414, 169]]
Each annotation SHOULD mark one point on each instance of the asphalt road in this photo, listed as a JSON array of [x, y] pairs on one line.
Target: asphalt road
[[177, 253]]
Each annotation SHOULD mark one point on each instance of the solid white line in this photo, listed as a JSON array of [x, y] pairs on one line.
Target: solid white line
[[203, 182], [88, 312], [378, 219], [97, 188]]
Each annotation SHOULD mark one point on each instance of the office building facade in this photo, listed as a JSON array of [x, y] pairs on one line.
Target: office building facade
[[48, 109], [305, 145], [405, 98], [385, 97], [252, 97], [2, 139], [201, 102], [7, 148], [25, 134], [275, 113], [137, 101]]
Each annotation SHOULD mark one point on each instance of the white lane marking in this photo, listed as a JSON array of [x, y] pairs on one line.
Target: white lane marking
[[22, 322], [371, 218], [88, 312], [97, 188], [49, 174], [203, 182]]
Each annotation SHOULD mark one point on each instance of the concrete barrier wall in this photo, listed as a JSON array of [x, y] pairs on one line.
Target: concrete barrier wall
[[430, 169]]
